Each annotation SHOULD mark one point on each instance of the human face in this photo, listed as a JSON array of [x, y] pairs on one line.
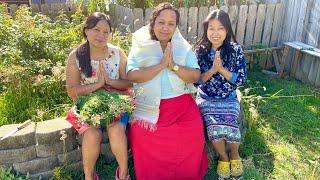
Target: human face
[[165, 25], [98, 35], [216, 33]]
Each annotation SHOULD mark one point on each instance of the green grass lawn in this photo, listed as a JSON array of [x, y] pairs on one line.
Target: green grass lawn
[[283, 139], [283, 136]]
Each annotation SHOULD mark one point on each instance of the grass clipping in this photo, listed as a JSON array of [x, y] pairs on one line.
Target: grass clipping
[[102, 107]]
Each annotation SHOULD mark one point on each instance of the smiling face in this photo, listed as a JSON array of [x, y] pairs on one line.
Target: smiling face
[[165, 25], [216, 33], [98, 35]]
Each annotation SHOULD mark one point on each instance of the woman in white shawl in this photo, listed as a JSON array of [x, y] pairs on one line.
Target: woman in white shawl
[[166, 132]]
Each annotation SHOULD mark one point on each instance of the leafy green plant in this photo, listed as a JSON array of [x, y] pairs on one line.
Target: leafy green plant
[[103, 107], [8, 174], [122, 41]]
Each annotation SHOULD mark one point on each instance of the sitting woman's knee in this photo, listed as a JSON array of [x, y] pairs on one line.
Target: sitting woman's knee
[[92, 134], [115, 130]]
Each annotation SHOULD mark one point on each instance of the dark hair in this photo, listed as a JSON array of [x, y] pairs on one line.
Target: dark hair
[[204, 44], [83, 50], [155, 14]]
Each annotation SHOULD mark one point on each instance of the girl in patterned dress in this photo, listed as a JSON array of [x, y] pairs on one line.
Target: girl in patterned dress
[[94, 65], [223, 69]]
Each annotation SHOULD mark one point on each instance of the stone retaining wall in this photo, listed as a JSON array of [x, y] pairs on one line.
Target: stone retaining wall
[[39, 148]]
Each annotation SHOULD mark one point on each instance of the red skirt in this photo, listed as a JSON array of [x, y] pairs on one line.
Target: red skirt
[[176, 150]]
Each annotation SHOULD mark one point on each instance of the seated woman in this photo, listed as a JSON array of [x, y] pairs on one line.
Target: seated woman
[[223, 69], [166, 131], [94, 65]]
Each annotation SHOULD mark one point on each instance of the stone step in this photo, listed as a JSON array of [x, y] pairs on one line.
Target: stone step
[[70, 157], [36, 165], [17, 155], [15, 141], [48, 132], [42, 175], [55, 148]]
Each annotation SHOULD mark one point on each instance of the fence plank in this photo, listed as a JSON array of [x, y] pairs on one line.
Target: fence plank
[[183, 25], [192, 24], [317, 82], [287, 22], [294, 20], [306, 21], [129, 18], [45, 8], [277, 21], [147, 15], [301, 18], [13, 8], [203, 12], [118, 17], [305, 68], [252, 14], [138, 20], [268, 24], [224, 8], [313, 71], [233, 14], [212, 8], [35, 8], [241, 27], [259, 24], [125, 18], [313, 33]]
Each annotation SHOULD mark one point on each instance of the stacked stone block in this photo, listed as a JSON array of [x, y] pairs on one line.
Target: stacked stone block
[[40, 147]]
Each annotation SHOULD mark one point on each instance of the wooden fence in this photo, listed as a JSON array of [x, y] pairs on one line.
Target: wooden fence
[[252, 24], [301, 22]]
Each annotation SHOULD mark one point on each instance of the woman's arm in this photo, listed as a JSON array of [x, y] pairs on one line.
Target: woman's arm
[[142, 75], [187, 74], [122, 82], [74, 88]]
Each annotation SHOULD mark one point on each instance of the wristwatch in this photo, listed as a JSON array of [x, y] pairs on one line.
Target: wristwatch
[[175, 68]]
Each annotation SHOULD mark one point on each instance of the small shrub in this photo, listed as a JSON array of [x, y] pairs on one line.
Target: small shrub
[[8, 174]]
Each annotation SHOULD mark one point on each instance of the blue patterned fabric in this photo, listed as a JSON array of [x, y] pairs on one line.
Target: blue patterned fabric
[[218, 86], [221, 119]]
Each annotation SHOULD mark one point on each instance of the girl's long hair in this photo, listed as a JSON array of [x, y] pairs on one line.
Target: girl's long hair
[[83, 50]]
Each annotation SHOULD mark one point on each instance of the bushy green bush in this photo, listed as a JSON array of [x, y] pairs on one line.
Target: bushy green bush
[[32, 65], [33, 53]]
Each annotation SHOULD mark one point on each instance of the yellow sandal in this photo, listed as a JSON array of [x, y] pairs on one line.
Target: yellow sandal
[[236, 167], [223, 169]]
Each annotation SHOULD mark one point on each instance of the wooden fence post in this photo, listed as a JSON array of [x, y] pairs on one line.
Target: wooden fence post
[[241, 27], [192, 24], [250, 25], [183, 25]]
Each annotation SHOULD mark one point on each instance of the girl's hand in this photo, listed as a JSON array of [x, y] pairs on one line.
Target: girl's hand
[[217, 62]]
